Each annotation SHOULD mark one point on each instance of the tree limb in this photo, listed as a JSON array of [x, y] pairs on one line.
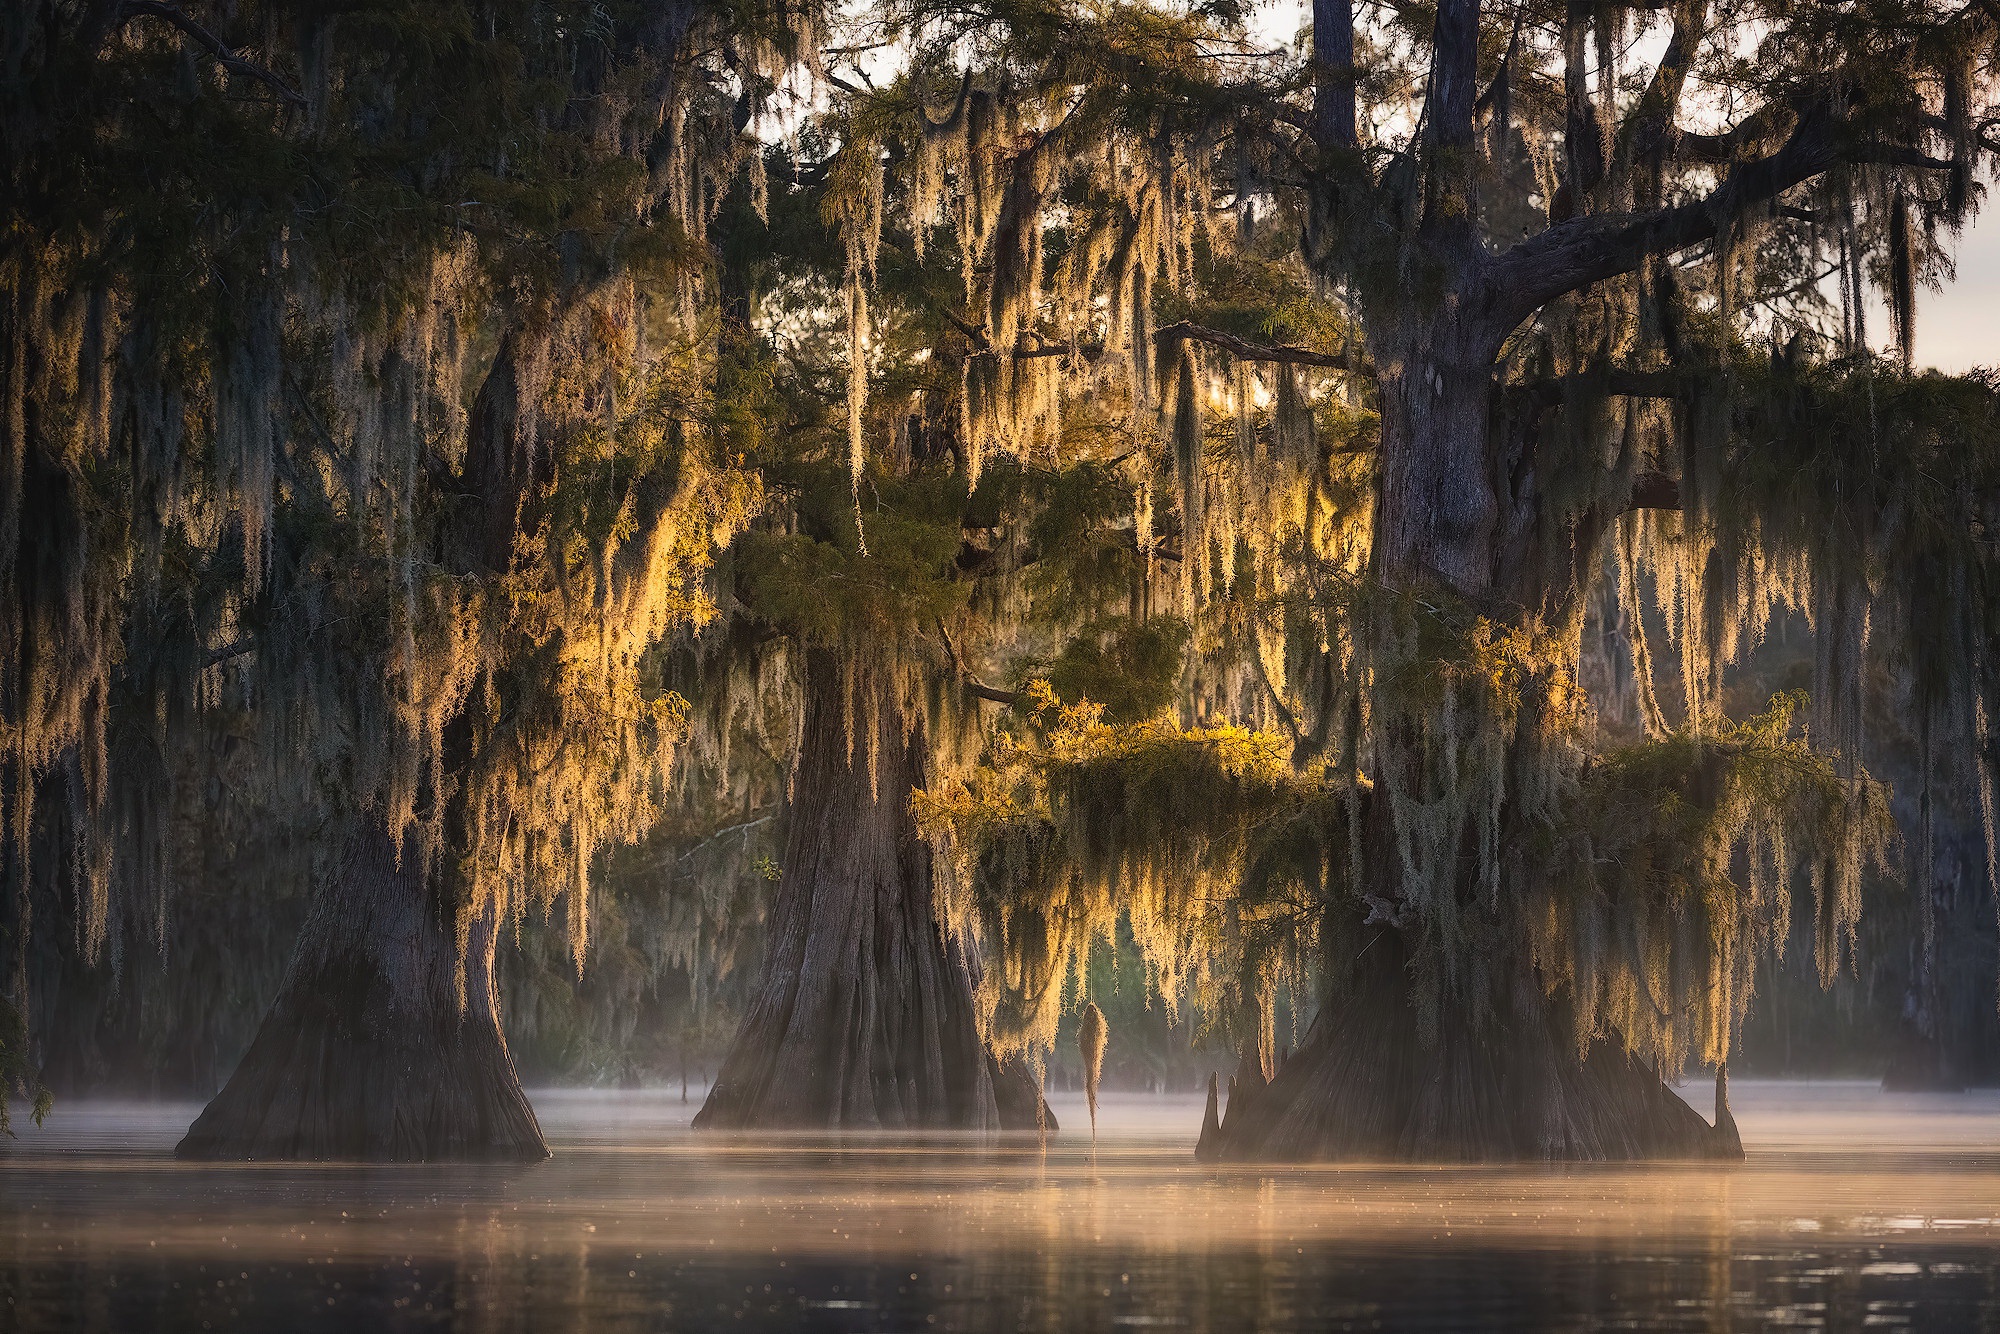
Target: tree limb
[[967, 679], [1334, 123], [1651, 127], [173, 15], [721, 834], [1721, 149], [216, 657], [1897, 155], [1584, 250], [1448, 111], [1583, 138], [1249, 351], [1575, 253], [1454, 72], [956, 116]]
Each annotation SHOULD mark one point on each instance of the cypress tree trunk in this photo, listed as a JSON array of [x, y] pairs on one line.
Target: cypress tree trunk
[[367, 1052], [1921, 1062], [863, 1015], [1504, 1086], [1498, 1076]]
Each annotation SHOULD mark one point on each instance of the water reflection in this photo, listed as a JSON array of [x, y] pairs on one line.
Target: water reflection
[[1855, 1210]]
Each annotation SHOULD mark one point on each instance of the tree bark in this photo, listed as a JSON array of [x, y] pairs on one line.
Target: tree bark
[[1439, 516], [1510, 1086], [863, 1016], [368, 1052]]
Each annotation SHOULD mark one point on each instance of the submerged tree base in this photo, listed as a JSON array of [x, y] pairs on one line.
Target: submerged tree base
[[1365, 1086], [368, 1053]]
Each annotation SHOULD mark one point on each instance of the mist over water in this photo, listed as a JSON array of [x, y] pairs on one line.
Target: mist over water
[[1854, 1210]]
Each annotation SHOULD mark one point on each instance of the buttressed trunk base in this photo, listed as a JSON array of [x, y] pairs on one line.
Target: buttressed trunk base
[[863, 1017], [367, 1053], [1367, 1087]]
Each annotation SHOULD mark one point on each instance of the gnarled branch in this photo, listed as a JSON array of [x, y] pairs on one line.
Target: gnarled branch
[[1583, 250]]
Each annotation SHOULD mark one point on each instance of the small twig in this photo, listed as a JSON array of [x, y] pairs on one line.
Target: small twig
[[721, 834]]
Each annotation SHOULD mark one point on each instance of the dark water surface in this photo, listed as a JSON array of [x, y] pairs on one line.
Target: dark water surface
[[1855, 1211]]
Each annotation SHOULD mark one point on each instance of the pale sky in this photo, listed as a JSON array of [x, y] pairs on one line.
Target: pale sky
[[1959, 328]]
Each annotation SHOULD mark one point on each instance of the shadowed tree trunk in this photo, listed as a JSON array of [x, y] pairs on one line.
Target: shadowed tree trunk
[[863, 1015], [1921, 1062], [368, 1052], [1498, 1077], [1368, 1086]]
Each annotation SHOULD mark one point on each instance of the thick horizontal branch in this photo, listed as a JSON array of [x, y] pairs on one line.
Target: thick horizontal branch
[[216, 657], [1724, 148], [1031, 346], [1574, 254], [129, 10], [1027, 347], [990, 693], [1898, 155]]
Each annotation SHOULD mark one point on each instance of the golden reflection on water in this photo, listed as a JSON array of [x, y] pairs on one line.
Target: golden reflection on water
[[1854, 1210]]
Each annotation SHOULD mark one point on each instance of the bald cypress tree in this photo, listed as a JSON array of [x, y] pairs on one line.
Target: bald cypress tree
[[927, 492], [1565, 348], [1542, 398], [395, 316]]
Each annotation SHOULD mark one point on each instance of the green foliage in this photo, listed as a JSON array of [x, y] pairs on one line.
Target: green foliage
[[1129, 668], [818, 584]]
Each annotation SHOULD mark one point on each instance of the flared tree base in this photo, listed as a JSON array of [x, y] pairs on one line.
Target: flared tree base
[[863, 1016], [368, 1053], [1367, 1087]]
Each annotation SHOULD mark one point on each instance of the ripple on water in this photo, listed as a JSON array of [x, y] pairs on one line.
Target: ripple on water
[[1855, 1209]]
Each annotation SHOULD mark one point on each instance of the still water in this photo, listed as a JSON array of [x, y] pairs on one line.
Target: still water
[[1855, 1211]]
